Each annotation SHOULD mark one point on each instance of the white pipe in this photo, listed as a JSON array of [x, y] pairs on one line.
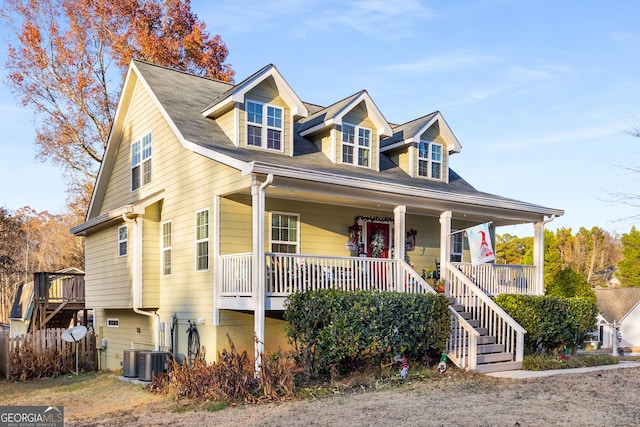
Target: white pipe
[[136, 283], [258, 250]]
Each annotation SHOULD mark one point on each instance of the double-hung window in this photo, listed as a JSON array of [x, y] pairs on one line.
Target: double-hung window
[[202, 240], [264, 125], [284, 232], [123, 240], [430, 160], [166, 248], [141, 162], [356, 145]]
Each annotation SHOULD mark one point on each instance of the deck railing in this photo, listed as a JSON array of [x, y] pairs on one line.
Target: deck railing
[[489, 315], [496, 279], [58, 287], [288, 273]]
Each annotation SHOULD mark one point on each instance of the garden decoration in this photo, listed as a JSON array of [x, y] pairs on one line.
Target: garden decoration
[[442, 366]]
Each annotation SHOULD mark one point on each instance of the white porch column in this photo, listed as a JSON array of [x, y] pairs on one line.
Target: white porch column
[[258, 264], [538, 256], [445, 244], [399, 217], [217, 270]]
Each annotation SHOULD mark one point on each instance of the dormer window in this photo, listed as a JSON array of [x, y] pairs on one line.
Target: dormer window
[[356, 145], [260, 133], [430, 160]]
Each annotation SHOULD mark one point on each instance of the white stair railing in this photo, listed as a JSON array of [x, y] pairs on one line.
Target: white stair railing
[[489, 315]]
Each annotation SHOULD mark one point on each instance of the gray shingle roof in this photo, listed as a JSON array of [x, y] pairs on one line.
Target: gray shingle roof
[[614, 303], [185, 96]]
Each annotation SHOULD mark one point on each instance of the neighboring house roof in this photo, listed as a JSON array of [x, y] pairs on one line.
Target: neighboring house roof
[[615, 303], [21, 301], [182, 97]]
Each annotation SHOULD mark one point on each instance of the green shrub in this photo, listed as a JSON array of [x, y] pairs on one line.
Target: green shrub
[[340, 331], [540, 362], [568, 283], [552, 323]]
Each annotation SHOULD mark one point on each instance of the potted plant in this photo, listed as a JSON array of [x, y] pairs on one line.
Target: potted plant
[[438, 285]]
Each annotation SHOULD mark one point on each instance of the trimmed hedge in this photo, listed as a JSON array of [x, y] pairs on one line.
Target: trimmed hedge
[[336, 330], [552, 323]]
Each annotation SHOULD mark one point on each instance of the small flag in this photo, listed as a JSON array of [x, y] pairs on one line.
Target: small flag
[[480, 244]]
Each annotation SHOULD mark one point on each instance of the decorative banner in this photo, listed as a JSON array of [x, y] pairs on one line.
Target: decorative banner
[[480, 244]]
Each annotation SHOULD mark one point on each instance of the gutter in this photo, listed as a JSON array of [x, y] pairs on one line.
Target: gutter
[[136, 283]]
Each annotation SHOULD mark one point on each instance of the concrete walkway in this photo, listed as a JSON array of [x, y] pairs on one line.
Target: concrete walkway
[[521, 374]]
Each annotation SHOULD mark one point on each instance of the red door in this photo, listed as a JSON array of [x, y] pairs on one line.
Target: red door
[[377, 242]]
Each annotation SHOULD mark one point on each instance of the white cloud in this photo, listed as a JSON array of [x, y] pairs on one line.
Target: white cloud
[[563, 136], [444, 62]]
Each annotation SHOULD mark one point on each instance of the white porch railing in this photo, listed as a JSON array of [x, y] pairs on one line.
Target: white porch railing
[[489, 315], [288, 273], [496, 279]]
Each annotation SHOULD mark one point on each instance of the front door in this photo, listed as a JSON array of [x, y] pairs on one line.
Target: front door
[[377, 239]]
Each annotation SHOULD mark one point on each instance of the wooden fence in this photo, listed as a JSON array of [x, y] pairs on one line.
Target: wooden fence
[[50, 339]]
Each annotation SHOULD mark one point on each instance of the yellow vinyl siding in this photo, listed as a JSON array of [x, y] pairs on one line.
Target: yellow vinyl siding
[[236, 225], [227, 123], [151, 257], [107, 279], [124, 337]]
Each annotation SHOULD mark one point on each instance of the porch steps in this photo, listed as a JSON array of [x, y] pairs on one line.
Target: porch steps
[[491, 356]]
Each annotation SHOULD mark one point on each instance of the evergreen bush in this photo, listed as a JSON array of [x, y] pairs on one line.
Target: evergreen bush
[[341, 331]]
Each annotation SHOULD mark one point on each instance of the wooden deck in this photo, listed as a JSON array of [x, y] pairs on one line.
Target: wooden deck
[[58, 300]]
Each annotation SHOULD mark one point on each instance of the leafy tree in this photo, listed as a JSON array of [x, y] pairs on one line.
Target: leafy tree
[[629, 266], [11, 235], [568, 283], [68, 61], [512, 249]]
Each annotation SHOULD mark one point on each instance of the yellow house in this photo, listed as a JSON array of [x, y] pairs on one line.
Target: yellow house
[[217, 200]]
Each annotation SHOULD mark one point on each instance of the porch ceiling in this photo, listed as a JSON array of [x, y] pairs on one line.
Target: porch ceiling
[[385, 201]]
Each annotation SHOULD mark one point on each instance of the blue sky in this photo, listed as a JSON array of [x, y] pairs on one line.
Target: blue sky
[[540, 94]]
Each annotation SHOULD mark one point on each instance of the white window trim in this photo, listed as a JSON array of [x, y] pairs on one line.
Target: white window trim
[[356, 146], [125, 241], [264, 126], [113, 323], [429, 160], [207, 240], [452, 252], [141, 162], [164, 249], [271, 241]]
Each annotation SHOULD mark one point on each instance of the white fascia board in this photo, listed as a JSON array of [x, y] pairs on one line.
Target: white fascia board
[[115, 135], [136, 208], [382, 126], [218, 106], [320, 126], [402, 190], [211, 154], [238, 95]]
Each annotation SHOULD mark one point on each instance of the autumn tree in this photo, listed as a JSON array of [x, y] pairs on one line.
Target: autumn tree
[[629, 266], [67, 63], [11, 273]]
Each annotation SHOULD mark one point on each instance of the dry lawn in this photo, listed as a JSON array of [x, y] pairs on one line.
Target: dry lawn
[[603, 398]]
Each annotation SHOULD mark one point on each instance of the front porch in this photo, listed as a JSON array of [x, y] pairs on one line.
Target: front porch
[[483, 337]]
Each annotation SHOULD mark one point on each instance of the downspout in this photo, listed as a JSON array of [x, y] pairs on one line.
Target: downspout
[[538, 253], [136, 283], [260, 268]]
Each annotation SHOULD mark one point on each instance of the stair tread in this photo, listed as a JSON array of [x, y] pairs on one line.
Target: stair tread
[[498, 367]]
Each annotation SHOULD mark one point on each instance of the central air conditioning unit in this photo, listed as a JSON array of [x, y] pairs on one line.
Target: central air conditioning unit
[[130, 363], [151, 362]]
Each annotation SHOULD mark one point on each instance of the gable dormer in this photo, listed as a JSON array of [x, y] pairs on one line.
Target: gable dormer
[[349, 131], [259, 112], [422, 147]]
